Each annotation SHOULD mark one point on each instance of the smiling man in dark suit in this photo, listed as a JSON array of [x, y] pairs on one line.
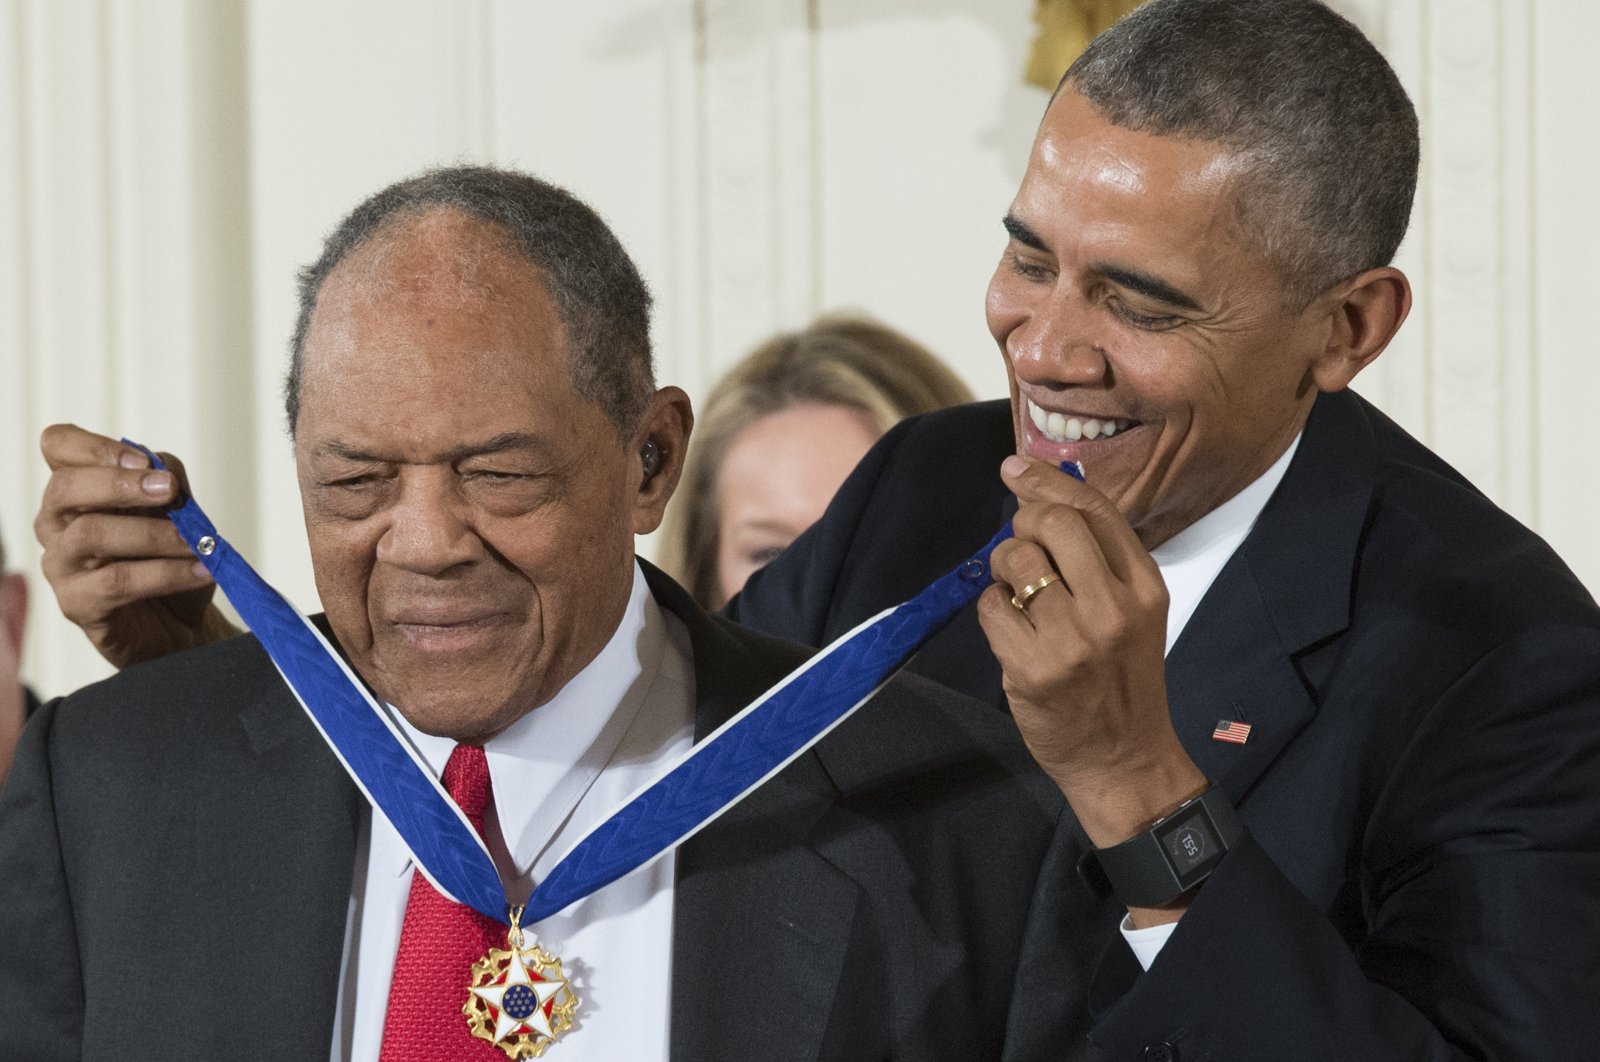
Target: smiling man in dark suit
[[186, 871], [1391, 683]]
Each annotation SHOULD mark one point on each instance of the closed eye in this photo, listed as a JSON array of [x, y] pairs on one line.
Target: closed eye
[[352, 482], [1027, 268], [1147, 322]]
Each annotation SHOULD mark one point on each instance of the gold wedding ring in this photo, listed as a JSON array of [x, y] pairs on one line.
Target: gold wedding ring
[[1020, 599]]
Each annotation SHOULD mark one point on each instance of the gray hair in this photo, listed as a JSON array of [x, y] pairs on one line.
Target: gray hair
[[1327, 135], [599, 295]]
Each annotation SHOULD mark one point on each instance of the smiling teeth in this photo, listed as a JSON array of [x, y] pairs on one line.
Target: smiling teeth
[[1058, 427]]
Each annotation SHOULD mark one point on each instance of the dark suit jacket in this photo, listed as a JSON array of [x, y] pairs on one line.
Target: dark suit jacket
[[176, 854], [1421, 787]]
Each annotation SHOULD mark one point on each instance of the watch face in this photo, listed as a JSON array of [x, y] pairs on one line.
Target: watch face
[[1190, 843], [1187, 848]]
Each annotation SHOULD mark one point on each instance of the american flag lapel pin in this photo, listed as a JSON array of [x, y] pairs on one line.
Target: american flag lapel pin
[[1231, 730]]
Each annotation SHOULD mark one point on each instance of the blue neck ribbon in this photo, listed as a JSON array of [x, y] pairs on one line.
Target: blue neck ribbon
[[688, 795]]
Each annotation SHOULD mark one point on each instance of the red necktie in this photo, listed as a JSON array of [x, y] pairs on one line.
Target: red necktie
[[439, 942]]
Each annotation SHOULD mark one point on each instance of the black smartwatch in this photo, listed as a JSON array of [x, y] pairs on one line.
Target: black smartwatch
[[1174, 855]]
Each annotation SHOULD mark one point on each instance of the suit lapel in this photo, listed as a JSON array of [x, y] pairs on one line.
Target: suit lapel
[[761, 921], [761, 926], [1286, 589], [287, 825], [1229, 665]]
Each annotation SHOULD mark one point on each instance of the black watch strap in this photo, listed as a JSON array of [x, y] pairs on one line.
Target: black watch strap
[[1175, 854]]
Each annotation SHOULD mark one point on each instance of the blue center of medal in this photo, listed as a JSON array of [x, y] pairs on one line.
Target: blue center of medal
[[520, 1002]]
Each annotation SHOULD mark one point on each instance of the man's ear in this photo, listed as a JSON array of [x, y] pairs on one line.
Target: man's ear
[[659, 446], [1364, 313]]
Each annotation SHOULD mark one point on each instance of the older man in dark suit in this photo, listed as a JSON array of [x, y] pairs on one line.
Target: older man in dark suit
[[186, 871]]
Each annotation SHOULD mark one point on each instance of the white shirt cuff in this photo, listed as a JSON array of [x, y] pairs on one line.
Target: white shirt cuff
[[1146, 943]]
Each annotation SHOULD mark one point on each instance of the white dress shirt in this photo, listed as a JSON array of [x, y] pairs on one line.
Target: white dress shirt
[[555, 773], [1190, 562]]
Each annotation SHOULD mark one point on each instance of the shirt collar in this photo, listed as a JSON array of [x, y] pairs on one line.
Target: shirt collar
[[1191, 560]]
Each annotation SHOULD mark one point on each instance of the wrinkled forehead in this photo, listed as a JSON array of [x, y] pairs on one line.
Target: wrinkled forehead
[[441, 254], [1103, 189], [437, 313], [440, 272], [1078, 147]]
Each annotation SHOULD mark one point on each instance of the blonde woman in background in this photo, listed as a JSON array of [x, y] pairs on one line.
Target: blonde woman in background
[[778, 435]]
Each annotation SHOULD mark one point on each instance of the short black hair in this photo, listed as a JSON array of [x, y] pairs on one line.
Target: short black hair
[[598, 292], [1325, 129]]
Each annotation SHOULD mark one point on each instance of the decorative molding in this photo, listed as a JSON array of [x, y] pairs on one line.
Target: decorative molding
[[1466, 285], [759, 175], [1400, 380], [1516, 347], [1461, 373], [18, 476], [466, 32], [1563, 110], [67, 300], [129, 261]]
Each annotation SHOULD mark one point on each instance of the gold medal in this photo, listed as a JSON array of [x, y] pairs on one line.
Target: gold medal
[[519, 999]]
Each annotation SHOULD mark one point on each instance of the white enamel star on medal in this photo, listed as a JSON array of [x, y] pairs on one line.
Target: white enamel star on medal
[[519, 999]]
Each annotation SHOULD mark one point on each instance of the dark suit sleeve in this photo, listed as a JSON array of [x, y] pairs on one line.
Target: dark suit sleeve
[[1478, 888], [41, 990]]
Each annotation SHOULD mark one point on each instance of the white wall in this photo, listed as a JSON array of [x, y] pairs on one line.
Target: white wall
[[166, 165]]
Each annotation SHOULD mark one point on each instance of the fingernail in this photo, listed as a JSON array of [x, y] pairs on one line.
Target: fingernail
[[201, 571], [132, 459], [1013, 466], [156, 483]]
